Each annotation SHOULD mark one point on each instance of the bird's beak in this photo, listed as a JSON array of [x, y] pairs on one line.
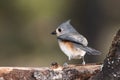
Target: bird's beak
[[53, 33]]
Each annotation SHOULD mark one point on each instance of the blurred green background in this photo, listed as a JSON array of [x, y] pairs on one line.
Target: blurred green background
[[25, 27]]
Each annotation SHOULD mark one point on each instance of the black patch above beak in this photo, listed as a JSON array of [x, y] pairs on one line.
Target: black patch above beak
[[53, 33]]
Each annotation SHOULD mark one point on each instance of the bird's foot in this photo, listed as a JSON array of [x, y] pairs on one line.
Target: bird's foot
[[83, 63], [65, 64]]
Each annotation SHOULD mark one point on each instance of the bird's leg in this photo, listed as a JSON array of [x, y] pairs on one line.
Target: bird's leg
[[83, 61]]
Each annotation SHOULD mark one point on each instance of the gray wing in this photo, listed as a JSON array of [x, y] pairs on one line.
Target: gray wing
[[74, 37], [89, 50], [80, 42]]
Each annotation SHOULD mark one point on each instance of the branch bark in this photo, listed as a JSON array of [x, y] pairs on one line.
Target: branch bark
[[70, 72], [109, 71], [111, 66]]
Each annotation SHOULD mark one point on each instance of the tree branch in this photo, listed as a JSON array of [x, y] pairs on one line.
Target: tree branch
[[111, 68], [109, 71]]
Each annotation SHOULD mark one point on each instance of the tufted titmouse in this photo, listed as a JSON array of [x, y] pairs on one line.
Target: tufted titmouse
[[73, 44]]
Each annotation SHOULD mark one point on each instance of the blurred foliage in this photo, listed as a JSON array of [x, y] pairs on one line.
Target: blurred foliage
[[25, 27]]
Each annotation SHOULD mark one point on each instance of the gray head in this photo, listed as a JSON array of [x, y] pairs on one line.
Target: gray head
[[64, 28]]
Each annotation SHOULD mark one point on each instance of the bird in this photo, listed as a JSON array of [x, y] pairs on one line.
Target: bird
[[72, 43]]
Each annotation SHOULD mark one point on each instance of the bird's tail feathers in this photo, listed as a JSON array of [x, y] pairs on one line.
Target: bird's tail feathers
[[91, 51]]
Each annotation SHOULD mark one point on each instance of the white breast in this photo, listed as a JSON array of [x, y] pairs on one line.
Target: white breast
[[65, 49], [71, 51]]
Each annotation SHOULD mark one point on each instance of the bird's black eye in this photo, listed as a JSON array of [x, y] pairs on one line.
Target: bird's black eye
[[59, 30]]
